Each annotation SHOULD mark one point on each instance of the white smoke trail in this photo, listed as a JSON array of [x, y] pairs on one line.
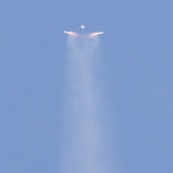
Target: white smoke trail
[[81, 143]]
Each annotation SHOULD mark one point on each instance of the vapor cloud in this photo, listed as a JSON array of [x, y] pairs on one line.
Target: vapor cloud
[[81, 143]]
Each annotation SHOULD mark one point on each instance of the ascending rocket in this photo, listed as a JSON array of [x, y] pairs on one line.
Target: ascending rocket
[[75, 34]]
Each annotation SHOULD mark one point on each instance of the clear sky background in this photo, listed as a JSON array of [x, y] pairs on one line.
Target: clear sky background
[[136, 72]]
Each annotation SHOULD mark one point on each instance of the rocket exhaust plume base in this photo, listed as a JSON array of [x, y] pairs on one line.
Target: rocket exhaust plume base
[[75, 34]]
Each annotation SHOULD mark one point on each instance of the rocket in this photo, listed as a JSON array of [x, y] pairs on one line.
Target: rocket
[[75, 34]]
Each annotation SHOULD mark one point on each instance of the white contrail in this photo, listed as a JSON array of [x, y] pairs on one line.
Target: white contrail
[[81, 143]]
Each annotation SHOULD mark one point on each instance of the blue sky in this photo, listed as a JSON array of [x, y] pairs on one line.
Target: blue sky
[[135, 70]]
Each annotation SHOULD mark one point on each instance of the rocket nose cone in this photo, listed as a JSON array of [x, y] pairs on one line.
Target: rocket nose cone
[[82, 27]]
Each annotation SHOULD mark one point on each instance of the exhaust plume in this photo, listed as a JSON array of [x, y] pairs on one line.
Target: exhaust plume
[[81, 141]]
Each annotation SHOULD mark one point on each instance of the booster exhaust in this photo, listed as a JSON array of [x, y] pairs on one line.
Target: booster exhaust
[[75, 34]]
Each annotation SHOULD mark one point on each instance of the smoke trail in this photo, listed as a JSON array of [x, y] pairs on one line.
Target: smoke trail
[[81, 140]]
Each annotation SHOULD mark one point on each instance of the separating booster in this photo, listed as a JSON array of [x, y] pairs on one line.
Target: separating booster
[[75, 34]]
